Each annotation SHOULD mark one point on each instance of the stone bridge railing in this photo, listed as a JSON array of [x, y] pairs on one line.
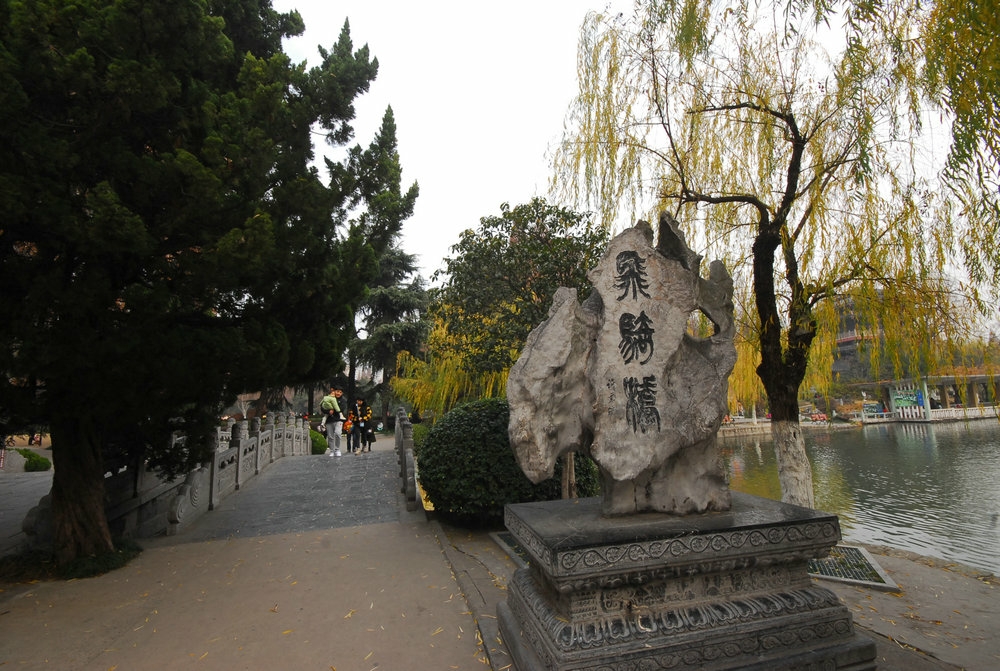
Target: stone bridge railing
[[241, 453], [407, 465], [140, 504]]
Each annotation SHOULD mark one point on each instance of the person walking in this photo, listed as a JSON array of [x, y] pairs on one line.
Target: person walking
[[332, 418], [362, 423]]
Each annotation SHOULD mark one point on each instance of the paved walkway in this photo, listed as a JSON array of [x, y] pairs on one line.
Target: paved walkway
[[19, 492], [316, 564]]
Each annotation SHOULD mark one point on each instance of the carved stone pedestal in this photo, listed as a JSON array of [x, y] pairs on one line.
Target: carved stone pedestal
[[715, 591]]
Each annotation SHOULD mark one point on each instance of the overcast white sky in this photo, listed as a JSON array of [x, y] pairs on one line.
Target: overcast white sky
[[479, 91]]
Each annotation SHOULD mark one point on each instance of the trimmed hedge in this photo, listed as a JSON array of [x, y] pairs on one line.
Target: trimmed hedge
[[420, 433], [34, 461], [468, 469], [318, 441]]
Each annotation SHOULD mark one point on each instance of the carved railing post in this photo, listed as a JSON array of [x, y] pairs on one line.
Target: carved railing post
[[277, 436], [407, 463], [241, 435], [301, 436], [265, 449]]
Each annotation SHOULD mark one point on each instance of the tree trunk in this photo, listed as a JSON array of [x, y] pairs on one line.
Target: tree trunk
[[794, 469], [783, 361], [569, 476], [79, 520]]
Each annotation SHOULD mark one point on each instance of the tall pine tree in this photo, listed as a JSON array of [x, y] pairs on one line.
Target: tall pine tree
[[165, 244]]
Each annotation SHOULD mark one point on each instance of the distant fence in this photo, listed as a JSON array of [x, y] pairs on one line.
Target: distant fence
[[962, 414], [918, 414], [140, 504]]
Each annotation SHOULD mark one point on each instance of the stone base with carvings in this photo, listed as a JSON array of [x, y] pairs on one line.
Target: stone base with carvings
[[716, 591]]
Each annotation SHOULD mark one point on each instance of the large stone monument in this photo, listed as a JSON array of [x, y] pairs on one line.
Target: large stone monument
[[668, 569]]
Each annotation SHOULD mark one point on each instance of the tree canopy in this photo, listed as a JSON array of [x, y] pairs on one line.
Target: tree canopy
[[394, 319], [789, 138], [165, 243], [502, 276], [389, 313], [962, 50], [496, 287]]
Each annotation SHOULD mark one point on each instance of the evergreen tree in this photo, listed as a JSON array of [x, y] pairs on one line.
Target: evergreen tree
[[498, 286], [165, 244], [394, 319], [377, 177]]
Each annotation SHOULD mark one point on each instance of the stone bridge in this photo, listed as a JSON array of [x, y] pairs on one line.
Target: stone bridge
[[142, 505]]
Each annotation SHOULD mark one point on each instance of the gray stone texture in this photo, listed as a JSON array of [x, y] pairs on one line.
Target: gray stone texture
[[668, 569], [718, 591], [623, 378]]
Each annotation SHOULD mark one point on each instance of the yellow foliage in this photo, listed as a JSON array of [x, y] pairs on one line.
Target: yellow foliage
[[438, 381], [705, 112]]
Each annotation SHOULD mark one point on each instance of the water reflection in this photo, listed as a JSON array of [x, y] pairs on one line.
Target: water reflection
[[930, 489]]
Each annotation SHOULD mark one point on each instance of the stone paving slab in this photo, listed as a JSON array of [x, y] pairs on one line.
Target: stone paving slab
[[371, 597], [315, 564], [947, 611], [305, 494]]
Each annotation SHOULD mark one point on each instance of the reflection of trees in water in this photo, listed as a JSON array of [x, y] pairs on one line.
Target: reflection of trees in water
[[751, 467], [930, 489]]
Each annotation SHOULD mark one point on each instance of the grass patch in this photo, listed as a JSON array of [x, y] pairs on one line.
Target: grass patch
[[36, 566]]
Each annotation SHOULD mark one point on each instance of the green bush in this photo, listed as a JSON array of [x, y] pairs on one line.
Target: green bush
[[34, 461], [318, 442], [420, 433], [468, 469]]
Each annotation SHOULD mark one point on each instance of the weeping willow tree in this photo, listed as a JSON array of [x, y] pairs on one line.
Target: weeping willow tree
[[792, 138], [440, 379], [744, 384], [962, 42]]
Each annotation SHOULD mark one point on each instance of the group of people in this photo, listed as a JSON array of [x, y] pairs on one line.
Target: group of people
[[355, 423]]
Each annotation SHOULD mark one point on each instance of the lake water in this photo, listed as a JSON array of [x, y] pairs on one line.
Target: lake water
[[930, 489]]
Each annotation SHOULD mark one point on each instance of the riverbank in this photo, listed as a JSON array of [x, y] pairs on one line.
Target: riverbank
[[762, 427], [943, 612]]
